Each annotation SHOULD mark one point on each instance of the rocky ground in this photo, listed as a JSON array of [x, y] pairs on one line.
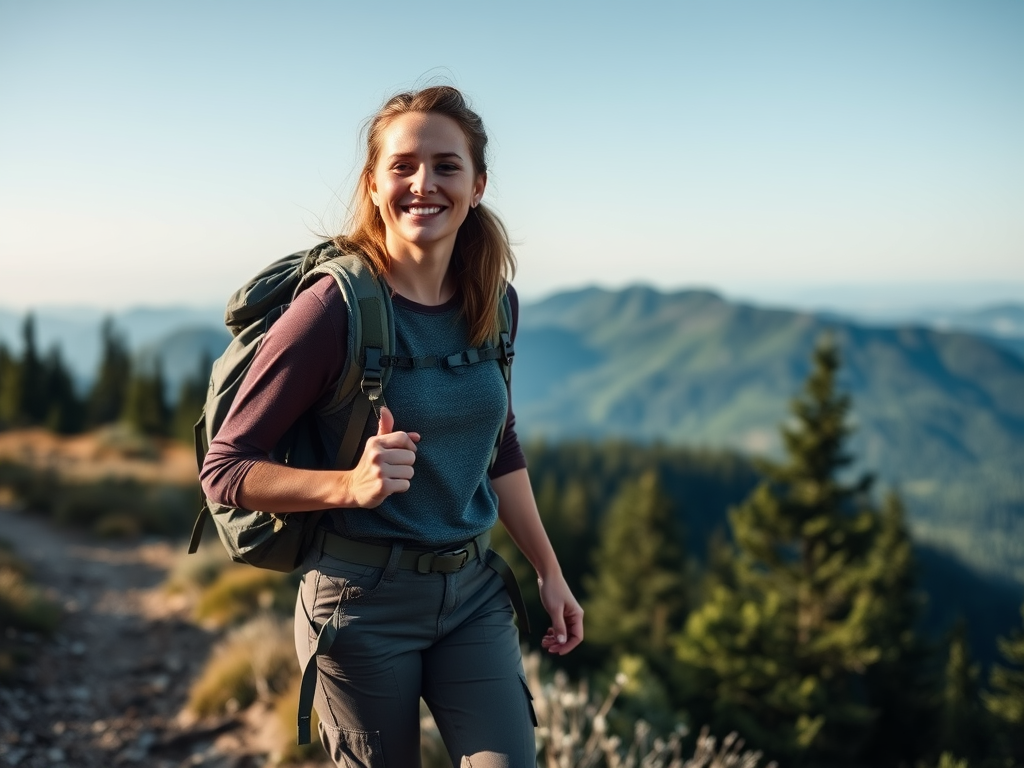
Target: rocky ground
[[108, 689]]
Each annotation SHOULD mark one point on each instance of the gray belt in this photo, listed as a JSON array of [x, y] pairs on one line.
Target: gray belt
[[377, 556]]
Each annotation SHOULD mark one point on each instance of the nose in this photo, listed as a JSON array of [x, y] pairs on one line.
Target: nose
[[423, 182]]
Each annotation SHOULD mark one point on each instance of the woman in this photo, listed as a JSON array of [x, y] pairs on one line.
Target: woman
[[424, 482]]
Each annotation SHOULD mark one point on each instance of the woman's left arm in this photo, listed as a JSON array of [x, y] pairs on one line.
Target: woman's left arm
[[517, 511]]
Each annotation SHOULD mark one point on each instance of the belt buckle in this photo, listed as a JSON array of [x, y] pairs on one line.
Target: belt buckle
[[427, 561], [463, 553]]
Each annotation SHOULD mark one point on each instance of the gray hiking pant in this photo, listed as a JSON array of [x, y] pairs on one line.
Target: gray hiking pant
[[446, 637]]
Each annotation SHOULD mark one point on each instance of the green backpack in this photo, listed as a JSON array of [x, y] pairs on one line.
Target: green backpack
[[279, 541]]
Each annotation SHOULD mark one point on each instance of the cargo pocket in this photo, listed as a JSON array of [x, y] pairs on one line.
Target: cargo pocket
[[529, 701], [352, 749]]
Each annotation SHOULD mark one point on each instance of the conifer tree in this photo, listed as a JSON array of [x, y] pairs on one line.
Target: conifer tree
[[9, 383], [783, 649], [145, 407], [33, 396], [64, 409], [637, 595], [109, 391], [1005, 701], [573, 535], [191, 399], [900, 687], [963, 727]]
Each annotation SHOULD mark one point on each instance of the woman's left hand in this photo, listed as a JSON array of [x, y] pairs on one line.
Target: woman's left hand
[[566, 630]]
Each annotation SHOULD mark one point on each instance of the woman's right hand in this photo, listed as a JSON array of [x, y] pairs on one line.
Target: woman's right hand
[[385, 466]]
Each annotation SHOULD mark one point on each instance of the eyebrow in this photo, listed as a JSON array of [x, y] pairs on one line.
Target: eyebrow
[[436, 156]]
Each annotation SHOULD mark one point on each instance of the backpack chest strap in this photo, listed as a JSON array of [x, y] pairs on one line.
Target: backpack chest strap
[[470, 356]]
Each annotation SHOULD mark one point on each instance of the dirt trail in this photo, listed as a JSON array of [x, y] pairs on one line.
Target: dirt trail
[[108, 688]]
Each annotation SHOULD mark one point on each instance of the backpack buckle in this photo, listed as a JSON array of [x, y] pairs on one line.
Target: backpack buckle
[[508, 349], [372, 372]]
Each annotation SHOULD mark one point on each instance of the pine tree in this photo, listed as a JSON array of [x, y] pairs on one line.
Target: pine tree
[[572, 534], [637, 595], [9, 383], [191, 399], [1006, 699], [109, 391], [65, 412], [783, 649], [900, 687], [963, 727], [145, 408]]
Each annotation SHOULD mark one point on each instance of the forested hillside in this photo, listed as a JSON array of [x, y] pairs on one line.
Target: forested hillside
[[940, 415]]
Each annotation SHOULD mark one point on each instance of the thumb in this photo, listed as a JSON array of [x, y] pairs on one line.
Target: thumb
[[558, 627], [387, 422]]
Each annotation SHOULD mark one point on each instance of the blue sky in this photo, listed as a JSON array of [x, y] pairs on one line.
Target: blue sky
[[158, 153]]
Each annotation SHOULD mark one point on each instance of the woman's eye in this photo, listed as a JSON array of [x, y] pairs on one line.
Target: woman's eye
[[447, 168]]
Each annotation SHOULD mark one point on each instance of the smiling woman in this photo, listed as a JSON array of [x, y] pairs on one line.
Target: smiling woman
[[402, 568]]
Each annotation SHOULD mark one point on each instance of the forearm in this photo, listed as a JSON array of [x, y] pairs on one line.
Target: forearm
[[273, 487], [518, 512]]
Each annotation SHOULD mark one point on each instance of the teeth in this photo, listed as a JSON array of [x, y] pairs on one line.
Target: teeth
[[424, 211]]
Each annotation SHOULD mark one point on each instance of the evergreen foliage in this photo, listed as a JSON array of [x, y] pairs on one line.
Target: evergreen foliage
[[35, 391], [962, 728], [638, 590], [1005, 701], [65, 411], [190, 402], [9, 410], [21, 397], [783, 648], [109, 391], [900, 687], [145, 408]]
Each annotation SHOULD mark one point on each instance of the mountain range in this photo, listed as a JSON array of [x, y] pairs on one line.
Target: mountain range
[[939, 412]]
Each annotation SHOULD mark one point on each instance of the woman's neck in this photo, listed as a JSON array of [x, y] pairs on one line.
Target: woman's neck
[[421, 276]]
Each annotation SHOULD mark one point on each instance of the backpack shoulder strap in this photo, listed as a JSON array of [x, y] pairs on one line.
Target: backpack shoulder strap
[[371, 337], [507, 354]]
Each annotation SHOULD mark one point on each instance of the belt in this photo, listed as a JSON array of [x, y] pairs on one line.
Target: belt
[[377, 556]]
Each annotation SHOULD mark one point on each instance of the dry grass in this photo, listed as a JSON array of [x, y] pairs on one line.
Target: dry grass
[[241, 591], [24, 610], [255, 661], [110, 505], [573, 732]]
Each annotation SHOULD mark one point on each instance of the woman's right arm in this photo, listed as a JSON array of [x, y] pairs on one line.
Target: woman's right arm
[[298, 364]]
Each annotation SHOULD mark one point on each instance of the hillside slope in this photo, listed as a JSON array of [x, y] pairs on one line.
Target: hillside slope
[[939, 414]]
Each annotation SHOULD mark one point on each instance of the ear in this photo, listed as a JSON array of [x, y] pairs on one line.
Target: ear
[[478, 188], [371, 186]]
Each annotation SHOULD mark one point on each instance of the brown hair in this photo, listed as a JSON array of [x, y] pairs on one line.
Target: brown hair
[[482, 261]]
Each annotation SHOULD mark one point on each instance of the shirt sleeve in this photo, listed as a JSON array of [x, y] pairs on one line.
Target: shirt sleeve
[[510, 453], [297, 365]]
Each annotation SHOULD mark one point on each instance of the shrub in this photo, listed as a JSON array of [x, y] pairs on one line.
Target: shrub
[[255, 660], [146, 507], [24, 608], [573, 731], [191, 574], [239, 592]]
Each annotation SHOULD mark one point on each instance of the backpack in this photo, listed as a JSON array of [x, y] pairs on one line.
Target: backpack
[[279, 542]]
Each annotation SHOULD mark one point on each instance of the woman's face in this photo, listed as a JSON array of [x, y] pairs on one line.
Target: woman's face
[[424, 183]]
